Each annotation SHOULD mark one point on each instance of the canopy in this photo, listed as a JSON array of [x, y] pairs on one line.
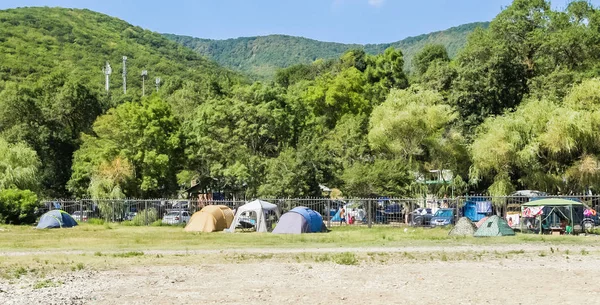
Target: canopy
[[551, 201], [261, 209], [56, 219], [211, 218]]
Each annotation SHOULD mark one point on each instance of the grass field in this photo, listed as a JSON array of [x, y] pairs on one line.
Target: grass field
[[114, 237]]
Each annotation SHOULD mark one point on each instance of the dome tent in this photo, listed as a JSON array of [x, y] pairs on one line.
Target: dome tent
[[211, 218], [56, 219], [260, 209], [494, 226], [463, 227], [300, 220]]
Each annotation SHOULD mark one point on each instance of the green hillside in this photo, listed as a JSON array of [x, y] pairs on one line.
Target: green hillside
[[35, 41], [262, 55], [52, 84]]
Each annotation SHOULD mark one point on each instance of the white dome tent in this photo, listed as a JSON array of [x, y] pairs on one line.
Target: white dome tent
[[261, 209]]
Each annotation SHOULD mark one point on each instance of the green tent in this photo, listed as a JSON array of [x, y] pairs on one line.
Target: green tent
[[494, 226]]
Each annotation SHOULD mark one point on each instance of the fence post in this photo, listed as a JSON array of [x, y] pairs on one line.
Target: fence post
[[81, 209], [370, 212], [146, 211], [329, 213]]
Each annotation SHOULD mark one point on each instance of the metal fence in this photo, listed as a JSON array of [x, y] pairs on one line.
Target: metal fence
[[358, 211]]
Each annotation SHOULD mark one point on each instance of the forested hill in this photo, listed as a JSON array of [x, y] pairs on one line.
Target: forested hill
[[52, 83], [261, 56], [35, 41]]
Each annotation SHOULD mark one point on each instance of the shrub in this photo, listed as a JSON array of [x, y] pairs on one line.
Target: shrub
[[18, 206], [145, 217], [95, 221]]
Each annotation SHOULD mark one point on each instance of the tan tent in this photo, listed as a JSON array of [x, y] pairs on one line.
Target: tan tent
[[211, 218]]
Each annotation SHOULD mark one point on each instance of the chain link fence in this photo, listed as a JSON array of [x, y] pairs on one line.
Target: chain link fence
[[368, 212]]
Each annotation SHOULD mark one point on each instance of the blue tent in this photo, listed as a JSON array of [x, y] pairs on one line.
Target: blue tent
[[56, 219], [300, 220]]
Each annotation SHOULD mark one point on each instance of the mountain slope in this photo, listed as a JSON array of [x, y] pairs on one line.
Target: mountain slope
[[262, 55], [35, 41]]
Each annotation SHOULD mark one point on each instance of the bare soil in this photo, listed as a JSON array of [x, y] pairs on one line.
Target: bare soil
[[530, 278]]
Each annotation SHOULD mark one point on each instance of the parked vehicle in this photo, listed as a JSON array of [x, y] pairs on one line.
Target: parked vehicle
[[176, 217], [129, 215], [442, 217], [77, 215], [421, 217]]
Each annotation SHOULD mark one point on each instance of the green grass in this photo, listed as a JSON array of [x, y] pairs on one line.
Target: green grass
[[46, 284], [115, 237]]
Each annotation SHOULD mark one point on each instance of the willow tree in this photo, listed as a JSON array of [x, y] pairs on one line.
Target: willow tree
[[549, 146], [19, 166]]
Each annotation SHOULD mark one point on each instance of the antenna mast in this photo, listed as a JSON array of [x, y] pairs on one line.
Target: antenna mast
[[124, 74], [144, 74], [107, 70], [157, 81]]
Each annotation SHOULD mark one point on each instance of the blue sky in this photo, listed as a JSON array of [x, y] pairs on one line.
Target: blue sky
[[347, 21]]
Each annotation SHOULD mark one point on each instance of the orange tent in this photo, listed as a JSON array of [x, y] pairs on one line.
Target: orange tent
[[211, 218]]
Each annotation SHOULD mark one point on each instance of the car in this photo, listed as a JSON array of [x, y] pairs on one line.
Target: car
[[176, 217], [442, 217], [421, 217], [77, 215]]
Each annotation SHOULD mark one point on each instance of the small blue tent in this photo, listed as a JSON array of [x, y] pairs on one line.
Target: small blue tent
[[300, 220], [56, 219]]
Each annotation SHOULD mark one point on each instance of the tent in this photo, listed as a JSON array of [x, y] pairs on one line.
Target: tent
[[260, 209], [481, 221], [552, 214], [463, 227], [494, 226], [56, 219], [300, 220], [211, 218]]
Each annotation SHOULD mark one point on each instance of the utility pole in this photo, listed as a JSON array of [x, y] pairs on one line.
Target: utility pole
[[124, 74], [144, 74], [157, 81], [107, 70]]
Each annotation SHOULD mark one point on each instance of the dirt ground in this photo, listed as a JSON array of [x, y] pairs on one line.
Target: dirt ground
[[529, 278]]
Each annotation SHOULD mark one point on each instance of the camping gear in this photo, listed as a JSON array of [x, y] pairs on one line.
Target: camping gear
[[56, 219], [211, 218], [553, 215], [494, 226], [464, 227], [259, 209], [476, 208], [300, 220]]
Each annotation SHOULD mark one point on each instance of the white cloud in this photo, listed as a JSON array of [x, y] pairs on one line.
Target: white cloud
[[376, 3]]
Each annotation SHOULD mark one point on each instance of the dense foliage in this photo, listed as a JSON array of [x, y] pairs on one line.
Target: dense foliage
[[517, 108], [261, 56]]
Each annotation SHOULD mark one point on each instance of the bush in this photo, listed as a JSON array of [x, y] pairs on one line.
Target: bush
[[145, 217], [18, 206], [95, 221]]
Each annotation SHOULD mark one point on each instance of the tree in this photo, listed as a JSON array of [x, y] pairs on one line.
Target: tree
[[379, 178], [18, 206], [142, 138], [429, 54], [19, 166]]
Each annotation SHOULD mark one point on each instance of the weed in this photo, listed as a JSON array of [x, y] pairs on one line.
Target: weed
[[567, 252], [444, 258], [516, 251], [98, 253], [542, 254], [45, 284], [129, 254], [345, 258], [584, 252]]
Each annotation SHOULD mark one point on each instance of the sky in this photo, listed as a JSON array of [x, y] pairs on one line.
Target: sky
[[346, 21]]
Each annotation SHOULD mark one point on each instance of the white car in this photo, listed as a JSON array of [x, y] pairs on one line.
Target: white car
[[77, 216], [176, 217]]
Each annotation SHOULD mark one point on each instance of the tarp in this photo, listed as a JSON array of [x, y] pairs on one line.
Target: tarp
[[56, 219], [481, 221], [464, 227], [494, 226], [260, 208], [211, 218]]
